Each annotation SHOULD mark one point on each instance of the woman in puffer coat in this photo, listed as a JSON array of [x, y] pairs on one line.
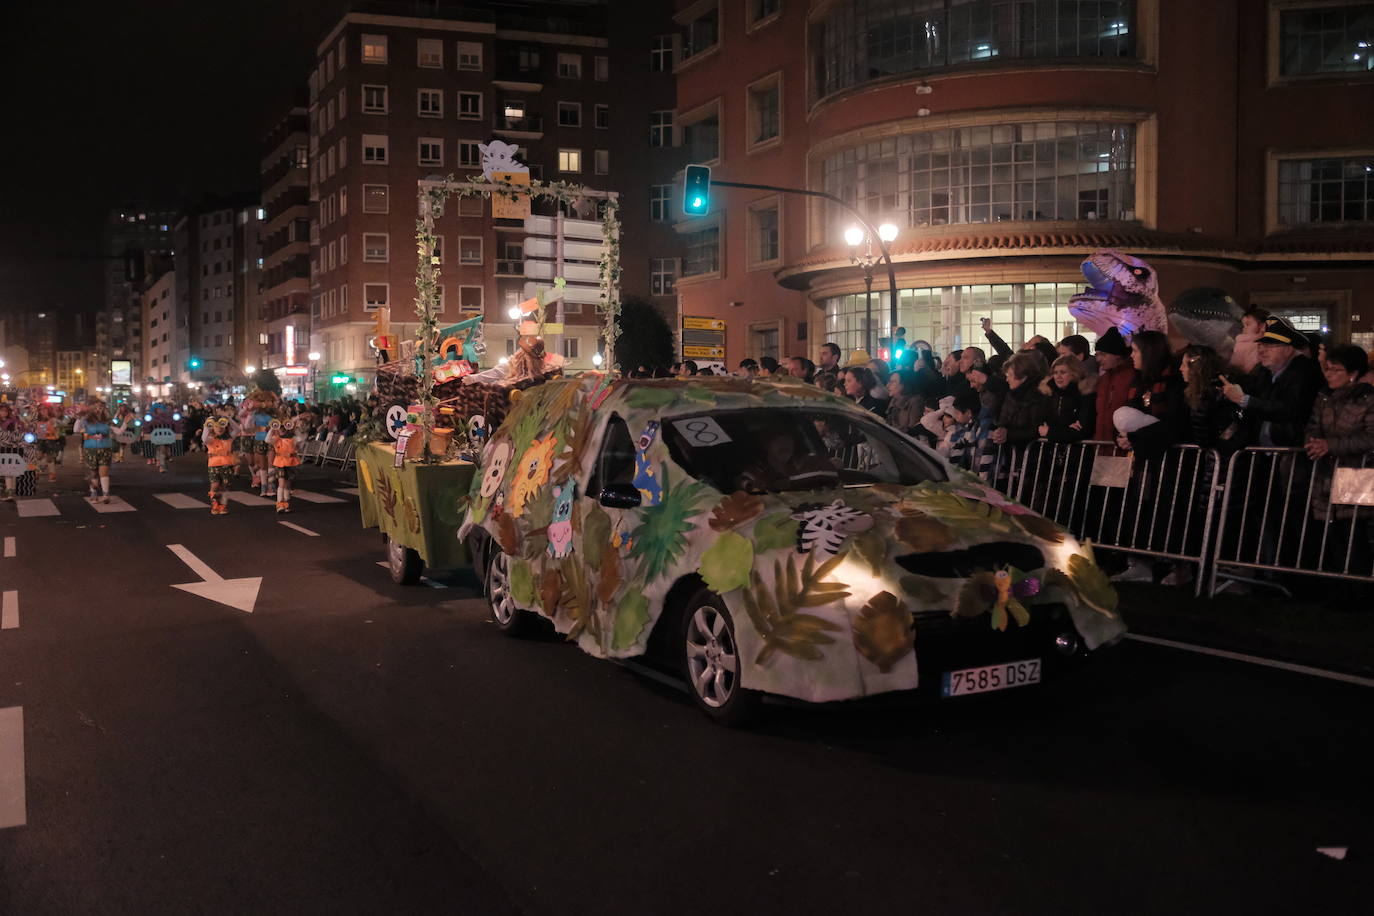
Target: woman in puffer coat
[[1025, 407], [1072, 410], [1342, 425]]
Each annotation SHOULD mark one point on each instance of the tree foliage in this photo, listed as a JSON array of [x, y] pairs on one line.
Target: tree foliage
[[645, 337]]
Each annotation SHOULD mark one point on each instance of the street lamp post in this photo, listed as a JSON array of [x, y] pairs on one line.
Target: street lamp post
[[855, 236]]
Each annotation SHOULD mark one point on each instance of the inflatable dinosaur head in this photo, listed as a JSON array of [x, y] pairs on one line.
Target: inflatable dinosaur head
[[1123, 292], [1207, 317]]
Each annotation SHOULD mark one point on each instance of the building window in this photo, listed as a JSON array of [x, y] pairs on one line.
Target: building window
[[430, 103], [469, 207], [469, 55], [468, 153], [1335, 190], [601, 68], [343, 202], [601, 161], [569, 114], [701, 252], [570, 66], [470, 299], [701, 134], [661, 53], [376, 198], [572, 348], [527, 58], [438, 249], [375, 246], [660, 202], [863, 40], [374, 100], [570, 160], [702, 33], [765, 111], [374, 296], [343, 249], [762, 9], [950, 316], [469, 106], [431, 151], [660, 128], [1334, 38], [429, 52], [764, 244], [662, 276], [469, 249], [1050, 170], [602, 116], [374, 49], [375, 149]]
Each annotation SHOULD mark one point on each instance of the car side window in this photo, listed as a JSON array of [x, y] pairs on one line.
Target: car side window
[[616, 463]]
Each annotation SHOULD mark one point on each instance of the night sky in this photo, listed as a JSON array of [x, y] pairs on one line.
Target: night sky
[[112, 101]]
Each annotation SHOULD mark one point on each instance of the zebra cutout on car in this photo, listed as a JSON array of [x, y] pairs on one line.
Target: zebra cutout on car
[[823, 528]]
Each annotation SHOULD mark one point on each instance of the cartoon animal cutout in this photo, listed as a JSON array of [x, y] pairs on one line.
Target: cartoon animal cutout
[[495, 472], [499, 156], [823, 528], [560, 529], [646, 480]]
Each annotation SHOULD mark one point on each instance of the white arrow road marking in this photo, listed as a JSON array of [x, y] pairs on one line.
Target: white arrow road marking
[[248, 499], [351, 491], [114, 505], [9, 547], [312, 497], [31, 508], [9, 611], [305, 531], [240, 594], [13, 810], [181, 501]]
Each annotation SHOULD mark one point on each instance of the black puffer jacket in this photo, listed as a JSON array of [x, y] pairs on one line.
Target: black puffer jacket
[[1066, 407], [1284, 403], [1022, 412]]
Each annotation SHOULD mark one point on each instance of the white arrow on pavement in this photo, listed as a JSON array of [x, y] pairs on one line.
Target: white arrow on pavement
[[240, 594]]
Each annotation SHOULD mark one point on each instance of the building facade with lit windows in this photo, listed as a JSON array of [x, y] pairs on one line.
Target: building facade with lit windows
[[137, 226], [1006, 141], [162, 344]]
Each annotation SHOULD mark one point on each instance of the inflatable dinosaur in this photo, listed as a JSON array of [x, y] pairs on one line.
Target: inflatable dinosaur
[[1123, 292]]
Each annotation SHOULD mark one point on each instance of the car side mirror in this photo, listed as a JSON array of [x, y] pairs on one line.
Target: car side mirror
[[619, 496]]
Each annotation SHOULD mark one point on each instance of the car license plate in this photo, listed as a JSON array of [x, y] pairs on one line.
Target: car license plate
[[991, 677]]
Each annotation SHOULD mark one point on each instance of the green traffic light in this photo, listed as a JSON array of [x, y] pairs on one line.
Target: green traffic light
[[696, 190]]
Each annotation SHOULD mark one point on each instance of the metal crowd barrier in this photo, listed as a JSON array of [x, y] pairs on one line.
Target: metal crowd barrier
[[1162, 507], [1283, 513]]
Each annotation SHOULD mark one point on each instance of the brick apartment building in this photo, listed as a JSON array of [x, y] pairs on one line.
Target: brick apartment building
[[161, 342], [279, 333], [136, 226], [395, 98], [217, 251], [1008, 140]]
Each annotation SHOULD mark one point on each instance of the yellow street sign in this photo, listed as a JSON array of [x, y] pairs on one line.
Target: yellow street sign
[[704, 352], [703, 324]]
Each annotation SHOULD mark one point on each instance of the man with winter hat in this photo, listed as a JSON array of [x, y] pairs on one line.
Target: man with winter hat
[[1276, 408], [1114, 381]]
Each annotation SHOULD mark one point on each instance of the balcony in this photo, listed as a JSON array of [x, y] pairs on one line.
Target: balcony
[[510, 268], [529, 127]]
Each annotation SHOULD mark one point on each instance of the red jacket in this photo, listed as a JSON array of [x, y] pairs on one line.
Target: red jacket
[[1113, 391]]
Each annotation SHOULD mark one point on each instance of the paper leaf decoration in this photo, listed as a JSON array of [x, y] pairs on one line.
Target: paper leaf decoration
[[871, 547], [923, 534], [774, 532], [631, 616], [774, 611], [726, 565], [596, 534], [734, 510], [522, 584], [883, 632]]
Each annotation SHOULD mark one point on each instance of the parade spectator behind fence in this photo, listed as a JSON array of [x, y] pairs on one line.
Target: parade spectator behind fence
[[1245, 356], [826, 375], [1213, 421], [1276, 402], [881, 372], [748, 368], [1114, 381], [1076, 346], [970, 358], [802, 368], [905, 405], [990, 390], [1071, 409], [1157, 391], [1025, 408], [768, 367], [1342, 423], [957, 424], [858, 384]]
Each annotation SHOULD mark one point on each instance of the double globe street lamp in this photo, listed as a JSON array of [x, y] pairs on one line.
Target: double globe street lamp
[[856, 237]]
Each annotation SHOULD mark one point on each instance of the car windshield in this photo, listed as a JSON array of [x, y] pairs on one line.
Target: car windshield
[[772, 450]]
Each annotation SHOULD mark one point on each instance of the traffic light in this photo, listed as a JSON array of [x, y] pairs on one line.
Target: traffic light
[[696, 190], [194, 363]]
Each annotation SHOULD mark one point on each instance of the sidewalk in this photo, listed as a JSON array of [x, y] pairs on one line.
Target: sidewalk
[[1309, 630]]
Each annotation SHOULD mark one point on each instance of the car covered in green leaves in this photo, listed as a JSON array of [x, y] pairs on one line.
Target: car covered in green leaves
[[768, 537]]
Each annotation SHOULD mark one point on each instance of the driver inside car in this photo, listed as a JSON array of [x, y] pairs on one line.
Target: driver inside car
[[783, 466]]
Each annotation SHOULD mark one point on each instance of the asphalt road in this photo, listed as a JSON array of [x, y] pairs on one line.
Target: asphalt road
[[352, 746]]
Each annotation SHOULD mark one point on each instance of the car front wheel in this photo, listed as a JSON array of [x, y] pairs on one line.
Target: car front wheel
[[509, 618], [711, 662]]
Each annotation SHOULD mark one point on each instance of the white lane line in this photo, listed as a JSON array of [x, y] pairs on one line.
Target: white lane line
[[13, 810], [312, 497], [248, 499], [1255, 660], [9, 547], [114, 505], [197, 566], [351, 491], [9, 611], [305, 531], [181, 501], [33, 508]]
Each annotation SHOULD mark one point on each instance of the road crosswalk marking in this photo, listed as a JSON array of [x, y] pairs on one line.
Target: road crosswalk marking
[[34, 508], [9, 611], [13, 810], [181, 501], [248, 499], [294, 527], [115, 504], [312, 497], [9, 547]]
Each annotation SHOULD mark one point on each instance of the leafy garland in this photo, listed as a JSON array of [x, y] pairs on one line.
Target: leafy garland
[[431, 206]]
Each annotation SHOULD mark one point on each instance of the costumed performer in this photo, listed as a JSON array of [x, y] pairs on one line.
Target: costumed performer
[[97, 448]]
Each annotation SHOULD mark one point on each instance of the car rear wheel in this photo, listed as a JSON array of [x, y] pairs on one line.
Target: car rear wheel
[[403, 563], [711, 662], [508, 617]]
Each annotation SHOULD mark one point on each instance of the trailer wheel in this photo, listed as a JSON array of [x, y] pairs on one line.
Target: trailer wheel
[[403, 563]]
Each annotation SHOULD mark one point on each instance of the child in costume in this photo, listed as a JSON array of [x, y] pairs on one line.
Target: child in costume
[[123, 422], [259, 409], [219, 446], [162, 418], [281, 437], [11, 440], [47, 431], [97, 448]]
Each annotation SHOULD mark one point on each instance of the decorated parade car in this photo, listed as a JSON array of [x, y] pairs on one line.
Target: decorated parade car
[[770, 538]]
